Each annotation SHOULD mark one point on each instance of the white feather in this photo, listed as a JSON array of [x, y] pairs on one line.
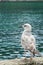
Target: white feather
[[27, 39]]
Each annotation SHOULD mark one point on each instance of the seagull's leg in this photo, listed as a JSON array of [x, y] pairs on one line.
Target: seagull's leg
[[34, 53], [31, 57]]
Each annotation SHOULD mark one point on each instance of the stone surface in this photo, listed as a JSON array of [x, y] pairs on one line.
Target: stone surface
[[23, 61]]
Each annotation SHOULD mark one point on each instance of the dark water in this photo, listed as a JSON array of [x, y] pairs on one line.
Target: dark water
[[11, 30]]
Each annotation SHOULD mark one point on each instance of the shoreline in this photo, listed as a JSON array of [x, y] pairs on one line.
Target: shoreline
[[23, 61]]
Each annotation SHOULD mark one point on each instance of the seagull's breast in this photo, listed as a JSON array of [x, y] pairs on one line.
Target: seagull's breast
[[27, 41]]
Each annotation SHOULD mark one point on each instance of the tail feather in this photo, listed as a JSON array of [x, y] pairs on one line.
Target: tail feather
[[37, 52]]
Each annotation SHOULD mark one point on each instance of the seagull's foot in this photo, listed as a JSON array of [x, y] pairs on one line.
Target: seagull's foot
[[24, 58], [31, 59]]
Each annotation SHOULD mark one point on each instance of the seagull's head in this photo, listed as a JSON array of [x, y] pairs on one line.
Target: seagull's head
[[27, 27]]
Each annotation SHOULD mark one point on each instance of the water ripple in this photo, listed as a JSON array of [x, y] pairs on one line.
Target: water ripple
[[11, 30]]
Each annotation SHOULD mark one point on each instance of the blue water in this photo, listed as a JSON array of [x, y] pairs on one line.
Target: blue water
[[11, 30]]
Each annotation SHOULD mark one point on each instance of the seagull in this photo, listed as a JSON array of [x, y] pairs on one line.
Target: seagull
[[28, 41]]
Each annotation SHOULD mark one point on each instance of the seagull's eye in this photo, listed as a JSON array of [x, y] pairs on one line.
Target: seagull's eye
[[24, 25]]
